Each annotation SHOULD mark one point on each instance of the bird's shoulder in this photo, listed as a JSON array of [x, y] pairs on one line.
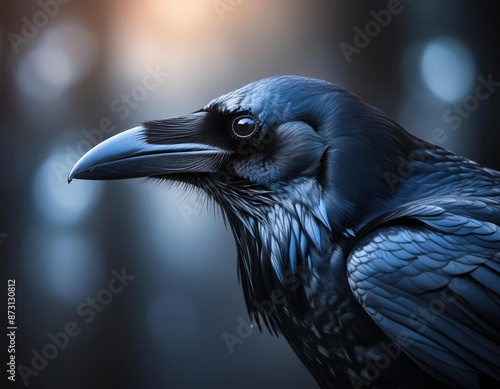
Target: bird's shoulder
[[428, 273]]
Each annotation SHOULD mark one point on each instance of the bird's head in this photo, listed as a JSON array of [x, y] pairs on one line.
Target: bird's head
[[269, 137], [293, 162]]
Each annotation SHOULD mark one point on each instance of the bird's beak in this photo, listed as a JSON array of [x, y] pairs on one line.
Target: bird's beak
[[177, 145]]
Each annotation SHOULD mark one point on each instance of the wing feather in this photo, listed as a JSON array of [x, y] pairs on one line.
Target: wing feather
[[435, 280]]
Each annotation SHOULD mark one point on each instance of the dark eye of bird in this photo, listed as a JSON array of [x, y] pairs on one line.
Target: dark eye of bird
[[244, 126]]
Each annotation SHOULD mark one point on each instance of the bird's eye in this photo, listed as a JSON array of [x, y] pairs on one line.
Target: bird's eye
[[244, 126]]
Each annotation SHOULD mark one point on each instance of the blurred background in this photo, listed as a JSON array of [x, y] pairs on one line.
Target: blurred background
[[74, 72]]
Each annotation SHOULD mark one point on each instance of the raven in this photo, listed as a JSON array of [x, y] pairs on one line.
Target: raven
[[377, 253]]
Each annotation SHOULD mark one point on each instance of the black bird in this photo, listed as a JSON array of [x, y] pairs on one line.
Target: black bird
[[377, 254]]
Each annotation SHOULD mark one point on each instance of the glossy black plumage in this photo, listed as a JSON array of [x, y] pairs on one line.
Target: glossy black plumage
[[379, 251]]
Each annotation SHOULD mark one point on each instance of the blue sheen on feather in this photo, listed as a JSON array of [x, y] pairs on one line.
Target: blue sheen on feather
[[275, 260], [321, 213], [303, 245], [293, 253], [313, 231]]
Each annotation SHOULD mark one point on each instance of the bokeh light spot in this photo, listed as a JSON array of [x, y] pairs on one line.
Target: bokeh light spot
[[448, 68], [64, 266], [58, 201], [65, 54], [70, 266]]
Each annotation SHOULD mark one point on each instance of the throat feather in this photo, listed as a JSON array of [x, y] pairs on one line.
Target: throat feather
[[278, 249]]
